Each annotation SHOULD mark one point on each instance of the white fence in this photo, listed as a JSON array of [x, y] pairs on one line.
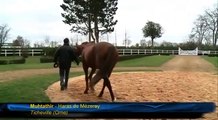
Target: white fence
[[18, 52], [146, 51], [188, 52], [37, 52]]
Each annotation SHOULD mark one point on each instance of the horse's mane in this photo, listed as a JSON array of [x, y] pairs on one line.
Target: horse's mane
[[88, 43]]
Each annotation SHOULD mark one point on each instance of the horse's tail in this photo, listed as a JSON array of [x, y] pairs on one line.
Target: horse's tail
[[107, 66], [110, 61]]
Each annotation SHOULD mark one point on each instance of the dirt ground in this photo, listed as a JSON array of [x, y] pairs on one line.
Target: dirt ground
[[184, 79], [19, 74], [188, 64]]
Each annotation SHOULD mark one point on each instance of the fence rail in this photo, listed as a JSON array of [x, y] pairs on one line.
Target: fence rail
[[18, 52], [38, 52], [146, 51]]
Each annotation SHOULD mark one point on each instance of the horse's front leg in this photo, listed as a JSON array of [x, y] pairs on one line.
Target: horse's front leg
[[86, 78]]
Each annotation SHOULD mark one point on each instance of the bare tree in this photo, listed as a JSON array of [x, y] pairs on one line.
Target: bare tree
[[126, 40], [26, 43], [47, 41], [206, 28], [212, 23], [53, 44], [199, 31], [4, 33], [143, 43]]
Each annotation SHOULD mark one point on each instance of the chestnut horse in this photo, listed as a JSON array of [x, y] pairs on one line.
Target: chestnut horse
[[102, 56]]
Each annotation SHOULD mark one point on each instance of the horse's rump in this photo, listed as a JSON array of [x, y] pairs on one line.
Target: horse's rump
[[109, 58], [102, 56]]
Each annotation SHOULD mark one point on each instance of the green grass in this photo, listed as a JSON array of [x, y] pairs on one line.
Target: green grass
[[31, 89], [31, 63], [34, 63], [213, 60], [148, 61]]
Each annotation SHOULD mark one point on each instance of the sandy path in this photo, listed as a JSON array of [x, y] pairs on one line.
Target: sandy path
[[18, 74], [185, 79], [166, 86], [188, 63]]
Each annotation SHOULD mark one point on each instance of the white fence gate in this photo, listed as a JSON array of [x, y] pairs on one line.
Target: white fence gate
[[188, 52]]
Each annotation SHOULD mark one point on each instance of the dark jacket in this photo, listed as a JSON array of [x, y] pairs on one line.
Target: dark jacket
[[64, 56]]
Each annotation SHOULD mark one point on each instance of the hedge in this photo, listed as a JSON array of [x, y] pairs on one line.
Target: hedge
[[49, 51], [127, 57], [46, 59], [3, 62], [213, 55], [17, 61]]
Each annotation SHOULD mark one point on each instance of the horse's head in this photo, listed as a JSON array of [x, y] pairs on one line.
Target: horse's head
[[79, 48]]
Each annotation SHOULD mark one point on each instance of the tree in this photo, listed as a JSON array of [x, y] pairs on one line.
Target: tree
[[20, 41], [189, 45], [200, 30], [153, 30], [90, 16], [47, 40], [212, 23], [206, 28], [4, 32], [126, 40], [53, 44], [143, 42]]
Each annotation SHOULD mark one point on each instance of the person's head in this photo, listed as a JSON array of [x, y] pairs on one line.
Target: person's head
[[66, 41]]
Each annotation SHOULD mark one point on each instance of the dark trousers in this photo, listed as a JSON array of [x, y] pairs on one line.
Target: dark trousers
[[64, 75]]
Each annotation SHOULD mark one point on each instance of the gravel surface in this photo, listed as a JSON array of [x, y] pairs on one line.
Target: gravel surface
[[183, 79]]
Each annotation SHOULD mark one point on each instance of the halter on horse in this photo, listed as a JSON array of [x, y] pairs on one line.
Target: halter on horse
[[102, 56]]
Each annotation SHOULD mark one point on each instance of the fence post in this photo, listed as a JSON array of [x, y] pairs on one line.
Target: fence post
[[138, 51], [19, 52], [179, 51], [131, 51], [123, 51], [151, 51], [145, 51], [5, 52], [32, 52]]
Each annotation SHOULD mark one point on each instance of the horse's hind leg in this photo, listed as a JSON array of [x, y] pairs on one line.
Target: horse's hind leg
[[91, 73], [95, 80], [108, 84], [102, 90], [86, 79]]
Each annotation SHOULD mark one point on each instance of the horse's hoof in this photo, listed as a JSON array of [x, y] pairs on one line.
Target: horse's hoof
[[85, 92], [114, 100], [62, 88], [99, 95], [92, 90]]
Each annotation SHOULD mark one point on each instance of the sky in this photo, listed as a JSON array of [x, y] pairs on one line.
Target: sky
[[36, 19]]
